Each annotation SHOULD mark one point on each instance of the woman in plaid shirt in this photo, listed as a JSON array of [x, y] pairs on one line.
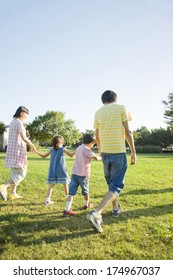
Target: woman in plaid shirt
[[16, 155]]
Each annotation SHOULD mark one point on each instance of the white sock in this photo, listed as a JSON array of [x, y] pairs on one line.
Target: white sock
[[86, 202], [68, 206]]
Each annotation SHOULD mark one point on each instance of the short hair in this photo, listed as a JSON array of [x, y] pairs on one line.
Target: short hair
[[20, 110], [109, 96], [88, 138], [57, 141]]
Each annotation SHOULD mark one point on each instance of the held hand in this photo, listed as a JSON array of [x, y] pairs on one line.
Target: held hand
[[33, 150], [99, 158]]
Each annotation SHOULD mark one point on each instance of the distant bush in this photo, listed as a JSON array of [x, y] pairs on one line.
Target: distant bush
[[148, 149]]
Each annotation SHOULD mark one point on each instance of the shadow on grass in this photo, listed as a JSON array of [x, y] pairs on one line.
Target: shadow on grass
[[146, 212], [26, 230], [138, 192], [147, 191]]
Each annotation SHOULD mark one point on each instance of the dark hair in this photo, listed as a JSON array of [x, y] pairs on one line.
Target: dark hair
[[57, 140], [88, 138], [109, 96], [20, 110]]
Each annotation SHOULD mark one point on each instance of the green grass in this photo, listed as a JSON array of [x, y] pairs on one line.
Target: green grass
[[30, 230]]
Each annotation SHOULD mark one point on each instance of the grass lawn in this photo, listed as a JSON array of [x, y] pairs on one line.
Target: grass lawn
[[30, 230]]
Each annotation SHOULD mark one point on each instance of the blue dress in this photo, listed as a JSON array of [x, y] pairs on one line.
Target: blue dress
[[57, 169]]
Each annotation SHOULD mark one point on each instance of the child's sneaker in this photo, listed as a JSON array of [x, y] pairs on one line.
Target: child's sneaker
[[90, 205], [69, 213], [3, 192], [95, 219], [117, 212], [48, 202]]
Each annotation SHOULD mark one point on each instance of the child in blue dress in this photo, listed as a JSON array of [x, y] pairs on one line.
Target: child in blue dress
[[57, 173]]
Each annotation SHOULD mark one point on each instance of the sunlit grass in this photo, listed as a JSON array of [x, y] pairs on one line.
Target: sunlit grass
[[30, 230]]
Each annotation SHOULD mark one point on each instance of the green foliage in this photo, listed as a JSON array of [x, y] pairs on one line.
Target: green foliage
[[156, 137], [148, 149], [2, 127], [169, 110], [141, 136], [45, 127], [31, 231]]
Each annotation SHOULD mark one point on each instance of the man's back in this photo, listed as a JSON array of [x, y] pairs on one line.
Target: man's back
[[109, 120]]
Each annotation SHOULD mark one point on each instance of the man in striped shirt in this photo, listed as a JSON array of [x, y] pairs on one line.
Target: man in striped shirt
[[112, 129]]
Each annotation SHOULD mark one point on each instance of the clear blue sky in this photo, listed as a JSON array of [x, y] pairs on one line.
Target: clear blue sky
[[62, 55]]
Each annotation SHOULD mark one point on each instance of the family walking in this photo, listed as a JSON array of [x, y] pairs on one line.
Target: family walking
[[111, 123]]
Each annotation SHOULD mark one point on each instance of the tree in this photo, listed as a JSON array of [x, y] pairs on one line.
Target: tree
[[168, 115], [156, 137], [161, 137], [45, 127], [142, 136], [2, 127]]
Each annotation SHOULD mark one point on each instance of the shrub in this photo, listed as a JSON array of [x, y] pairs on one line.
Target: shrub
[[148, 149]]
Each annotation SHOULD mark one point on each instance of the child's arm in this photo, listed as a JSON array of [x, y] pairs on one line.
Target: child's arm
[[69, 153], [42, 155], [96, 157]]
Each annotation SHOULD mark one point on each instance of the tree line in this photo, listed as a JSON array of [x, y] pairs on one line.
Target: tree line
[[45, 127]]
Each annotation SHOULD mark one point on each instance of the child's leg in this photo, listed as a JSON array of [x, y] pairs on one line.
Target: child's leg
[[86, 200], [68, 211], [49, 192], [87, 205], [66, 189], [84, 183], [69, 203], [72, 192]]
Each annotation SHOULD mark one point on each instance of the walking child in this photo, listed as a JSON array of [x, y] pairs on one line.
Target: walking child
[[57, 173], [81, 173]]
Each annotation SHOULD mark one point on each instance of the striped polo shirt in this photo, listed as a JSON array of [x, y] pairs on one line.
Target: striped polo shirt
[[109, 121]]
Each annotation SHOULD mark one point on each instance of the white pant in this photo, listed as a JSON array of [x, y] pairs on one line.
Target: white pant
[[18, 174]]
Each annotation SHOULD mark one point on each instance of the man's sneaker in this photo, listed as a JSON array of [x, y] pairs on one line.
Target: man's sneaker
[[3, 192], [90, 205], [117, 212], [95, 219], [69, 213], [16, 196], [48, 202]]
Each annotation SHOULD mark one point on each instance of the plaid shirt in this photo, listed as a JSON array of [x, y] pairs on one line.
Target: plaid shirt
[[16, 156]]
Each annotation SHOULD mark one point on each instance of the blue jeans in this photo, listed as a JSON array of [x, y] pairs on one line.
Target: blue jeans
[[77, 181], [115, 166]]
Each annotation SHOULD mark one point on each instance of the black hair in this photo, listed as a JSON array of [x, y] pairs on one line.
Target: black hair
[[109, 96], [88, 138], [20, 110]]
